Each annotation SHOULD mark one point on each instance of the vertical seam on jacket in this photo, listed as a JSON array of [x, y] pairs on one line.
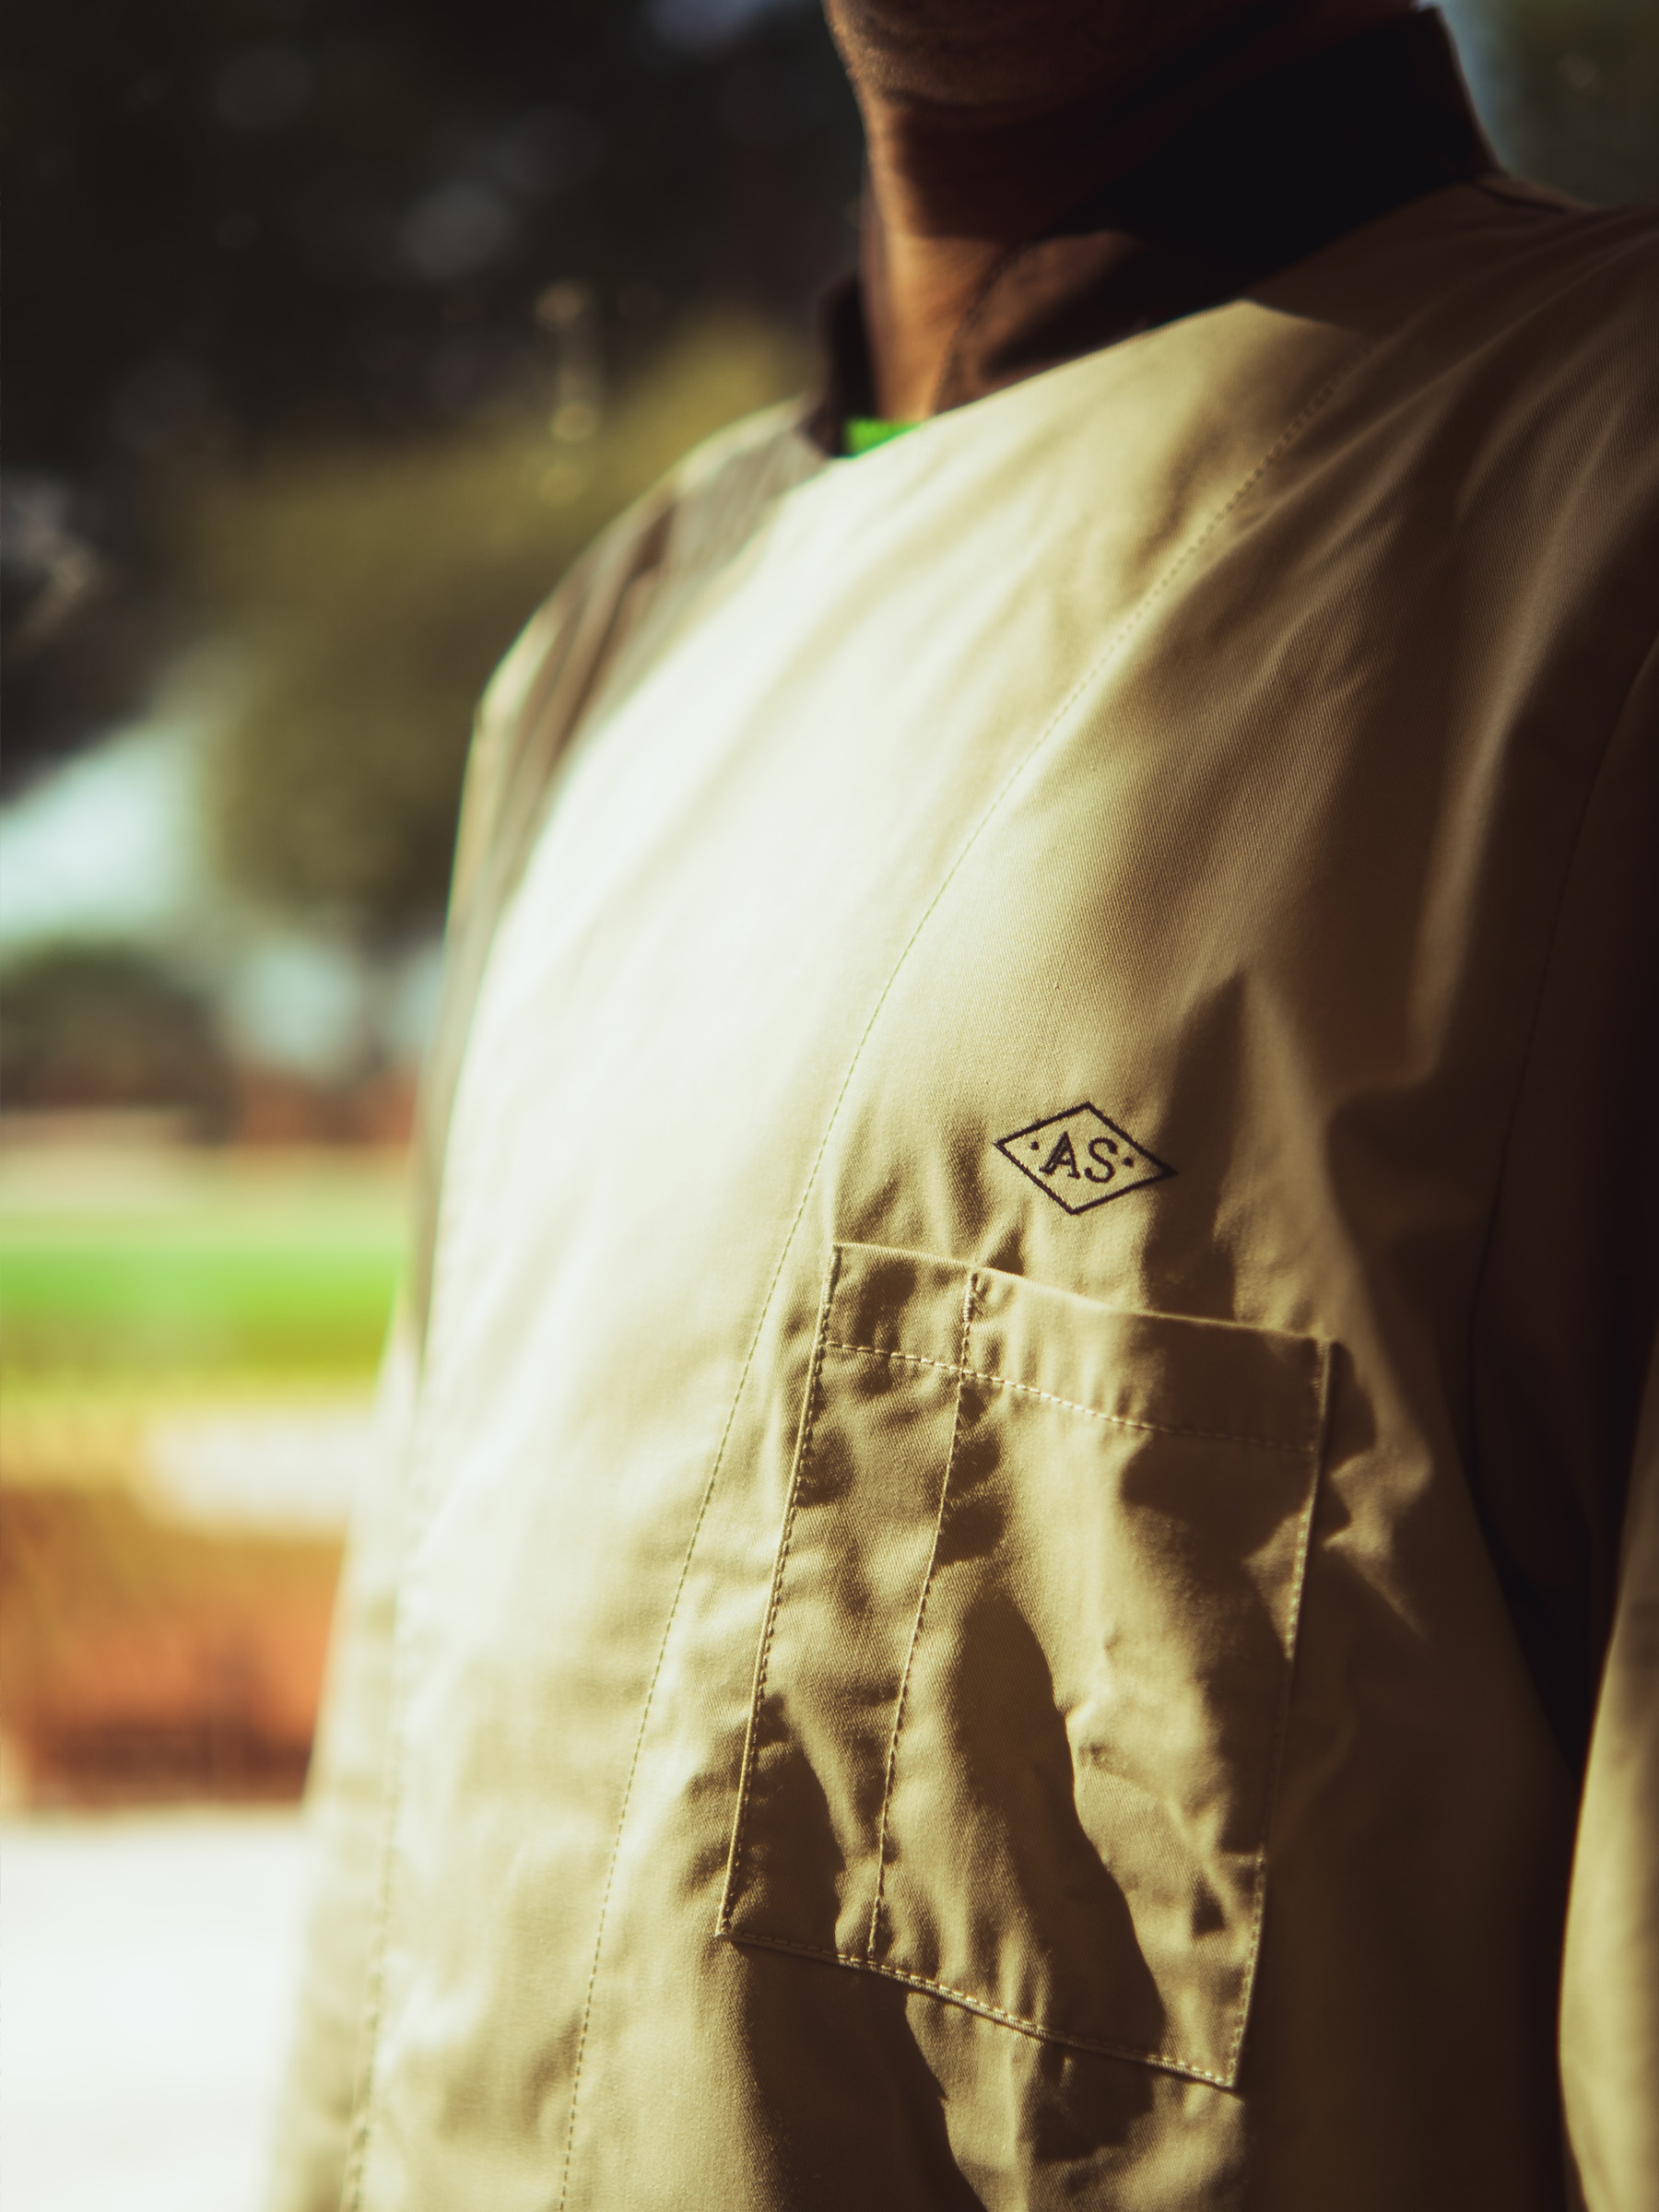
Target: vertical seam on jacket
[[802, 1456], [1281, 444], [362, 2117], [417, 1497], [909, 1659], [1304, 1537]]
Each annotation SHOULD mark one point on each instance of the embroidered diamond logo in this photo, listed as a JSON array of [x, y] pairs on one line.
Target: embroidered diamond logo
[[1081, 1159]]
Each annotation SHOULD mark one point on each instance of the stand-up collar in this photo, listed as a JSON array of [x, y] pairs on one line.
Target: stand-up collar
[[1268, 175]]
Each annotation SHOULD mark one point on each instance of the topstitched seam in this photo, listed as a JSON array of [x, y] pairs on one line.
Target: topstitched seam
[[1029, 1390], [1155, 593], [1169, 2060], [1304, 1532], [633, 1765], [909, 1661], [417, 1499], [802, 1459]]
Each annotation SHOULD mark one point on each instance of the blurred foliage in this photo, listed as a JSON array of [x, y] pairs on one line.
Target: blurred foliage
[[107, 1027], [229, 219], [372, 589], [295, 285], [223, 1264], [224, 1298], [235, 223]]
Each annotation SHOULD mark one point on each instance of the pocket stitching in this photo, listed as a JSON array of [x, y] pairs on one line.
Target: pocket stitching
[[933, 1560], [1312, 1447], [803, 1457], [1169, 2060], [1119, 1420]]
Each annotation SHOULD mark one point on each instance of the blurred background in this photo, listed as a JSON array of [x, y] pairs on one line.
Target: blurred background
[[335, 330]]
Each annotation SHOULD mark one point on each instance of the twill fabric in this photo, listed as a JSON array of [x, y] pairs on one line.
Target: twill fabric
[[1006, 1461]]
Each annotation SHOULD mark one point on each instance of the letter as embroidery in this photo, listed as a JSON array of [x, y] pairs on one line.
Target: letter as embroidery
[[1062, 1155], [1121, 1164]]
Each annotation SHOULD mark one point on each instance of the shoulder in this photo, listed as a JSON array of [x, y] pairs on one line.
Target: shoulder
[[731, 475], [696, 515], [1591, 271], [1507, 379], [1548, 230], [1496, 261]]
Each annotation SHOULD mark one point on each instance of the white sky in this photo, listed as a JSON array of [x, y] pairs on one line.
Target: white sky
[[109, 845]]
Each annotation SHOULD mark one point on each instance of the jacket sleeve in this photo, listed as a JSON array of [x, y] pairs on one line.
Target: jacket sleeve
[[314, 2112], [1565, 1465], [525, 718], [335, 2022], [345, 1793], [543, 689], [1611, 1979]]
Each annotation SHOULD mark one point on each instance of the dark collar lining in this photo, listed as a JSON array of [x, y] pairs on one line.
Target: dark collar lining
[[1265, 177]]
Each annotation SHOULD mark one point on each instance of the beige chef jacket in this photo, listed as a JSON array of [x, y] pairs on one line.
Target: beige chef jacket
[[986, 1581]]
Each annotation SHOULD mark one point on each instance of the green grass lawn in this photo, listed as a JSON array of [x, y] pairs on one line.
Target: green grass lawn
[[205, 1266], [146, 1654]]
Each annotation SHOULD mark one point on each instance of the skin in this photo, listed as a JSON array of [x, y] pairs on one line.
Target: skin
[[988, 120]]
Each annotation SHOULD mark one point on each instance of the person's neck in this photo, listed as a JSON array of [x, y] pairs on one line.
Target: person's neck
[[952, 192]]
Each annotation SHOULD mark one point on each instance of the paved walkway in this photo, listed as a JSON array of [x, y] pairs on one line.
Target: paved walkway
[[146, 1962]]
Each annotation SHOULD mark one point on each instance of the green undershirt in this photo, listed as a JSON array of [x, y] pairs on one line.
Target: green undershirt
[[864, 433]]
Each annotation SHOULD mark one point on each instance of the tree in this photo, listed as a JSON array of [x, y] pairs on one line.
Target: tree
[[371, 589], [106, 1027], [236, 225]]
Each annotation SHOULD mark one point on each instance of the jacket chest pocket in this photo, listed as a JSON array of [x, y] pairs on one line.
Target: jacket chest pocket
[[1026, 1660]]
